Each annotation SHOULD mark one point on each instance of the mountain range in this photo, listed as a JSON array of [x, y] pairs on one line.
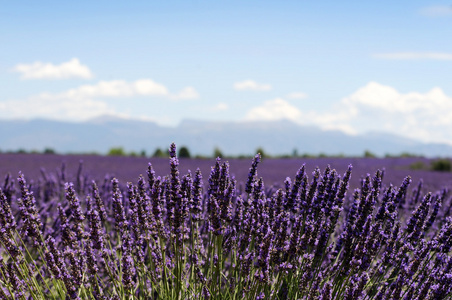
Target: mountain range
[[202, 137]]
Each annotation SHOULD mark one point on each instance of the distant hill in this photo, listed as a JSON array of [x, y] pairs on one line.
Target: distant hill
[[201, 137]]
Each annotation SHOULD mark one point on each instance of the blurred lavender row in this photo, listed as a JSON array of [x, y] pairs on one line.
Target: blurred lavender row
[[273, 171]]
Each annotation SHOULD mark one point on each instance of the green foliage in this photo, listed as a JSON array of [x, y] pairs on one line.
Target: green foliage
[[442, 165], [117, 151], [217, 153], [418, 165], [261, 151], [244, 156], [402, 155], [49, 151], [407, 154], [88, 153], [368, 154], [21, 151], [184, 152], [159, 153]]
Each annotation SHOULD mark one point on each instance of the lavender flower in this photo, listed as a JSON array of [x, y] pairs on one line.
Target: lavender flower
[[27, 204], [99, 202], [96, 233], [7, 220], [76, 210], [127, 264], [303, 238], [118, 208], [252, 174], [196, 200], [299, 182]]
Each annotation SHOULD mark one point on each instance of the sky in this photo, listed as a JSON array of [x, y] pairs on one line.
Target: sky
[[340, 65]]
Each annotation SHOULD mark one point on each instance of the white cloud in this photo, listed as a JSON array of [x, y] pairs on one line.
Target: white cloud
[[414, 56], [423, 116], [280, 109], [437, 11], [46, 106], [297, 95], [39, 70], [388, 99], [220, 107], [251, 85], [147, 87], [186, 93], [88, 101], [125, 89], [273, 110], [117, 89], [334, 119]]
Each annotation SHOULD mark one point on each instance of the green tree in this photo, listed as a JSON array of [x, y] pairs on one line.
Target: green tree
[[116, 151], [49, 151], [418, 165], [262, 152], [158, 153], [184, 152], [369, 154], [407, 154], [217, 153], [443, 165]]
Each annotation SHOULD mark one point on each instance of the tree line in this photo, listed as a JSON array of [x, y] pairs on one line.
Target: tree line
[[184, 152]]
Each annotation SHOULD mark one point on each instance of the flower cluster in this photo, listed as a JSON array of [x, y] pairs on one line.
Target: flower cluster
[[165, 237]]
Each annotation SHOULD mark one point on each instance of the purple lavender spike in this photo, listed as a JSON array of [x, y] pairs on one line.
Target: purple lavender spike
[[118, 208], [252, 174]]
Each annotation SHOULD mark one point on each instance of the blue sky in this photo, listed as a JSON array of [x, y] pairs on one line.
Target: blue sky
[[356, 67]]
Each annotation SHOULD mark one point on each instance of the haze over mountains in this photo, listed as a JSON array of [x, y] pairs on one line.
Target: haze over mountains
[[201, 137]]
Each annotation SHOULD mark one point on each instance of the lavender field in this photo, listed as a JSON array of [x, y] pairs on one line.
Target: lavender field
[[94, 227], [273, 171]]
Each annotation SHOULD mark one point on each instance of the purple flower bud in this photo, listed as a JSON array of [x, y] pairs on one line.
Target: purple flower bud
[[99, 202], [27, 205], [7, 220], [252, 174], [118, 208], [172, 150], [196, 200]]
